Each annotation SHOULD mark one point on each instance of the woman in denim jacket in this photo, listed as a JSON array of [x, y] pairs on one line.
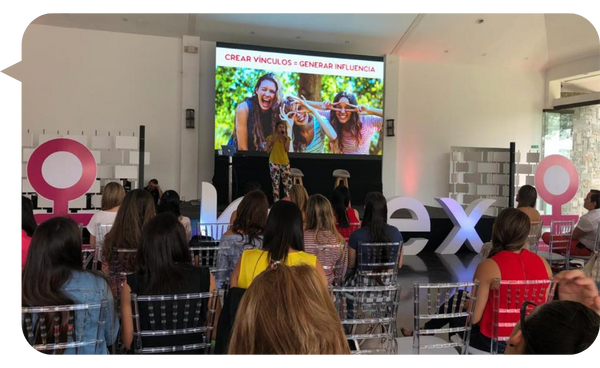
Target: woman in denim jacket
[[53, 275]]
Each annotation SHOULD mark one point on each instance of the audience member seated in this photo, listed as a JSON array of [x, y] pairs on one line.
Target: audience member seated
[[170, 202], [567, 326], [526, 198], [344, 213], [28, 226], [165, 268], [584, 235], [249, 187], [508, 260], [287, 310], [246, 232], [54, 275], [299, 196], [154, 189], [320, 231], [374, 228], [135, 211], [112, 196], [283, 243]]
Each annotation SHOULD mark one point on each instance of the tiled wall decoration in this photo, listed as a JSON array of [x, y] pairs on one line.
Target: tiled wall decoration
[[484, 173]]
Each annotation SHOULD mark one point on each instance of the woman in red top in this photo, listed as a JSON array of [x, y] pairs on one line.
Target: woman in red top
[[346, 217], [508, 261]]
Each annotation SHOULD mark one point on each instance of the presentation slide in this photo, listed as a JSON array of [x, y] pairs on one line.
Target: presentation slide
[[329, 104]]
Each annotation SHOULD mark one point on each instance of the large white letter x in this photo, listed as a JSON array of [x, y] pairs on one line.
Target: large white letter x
[[464, 224]]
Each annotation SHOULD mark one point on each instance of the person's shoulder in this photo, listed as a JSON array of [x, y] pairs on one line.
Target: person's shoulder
[[243, 106]]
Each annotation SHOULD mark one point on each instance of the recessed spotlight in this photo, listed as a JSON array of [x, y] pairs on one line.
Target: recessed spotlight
[[445, 51], [124, 19], [251, 32], [479, 21], [483, 54], [347, 42], [298, 37], [526, 58]]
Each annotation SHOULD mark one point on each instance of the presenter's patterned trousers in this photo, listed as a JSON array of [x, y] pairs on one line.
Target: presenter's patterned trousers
[[283, 172]]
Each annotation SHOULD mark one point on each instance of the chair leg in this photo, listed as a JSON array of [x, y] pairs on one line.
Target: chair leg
[[346, 183], [300, 181]]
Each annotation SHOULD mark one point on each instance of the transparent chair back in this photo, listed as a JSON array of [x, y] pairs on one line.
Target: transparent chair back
[[533, 240], [561, 233], [122, 265], [333, 258], [444, 301], [507, 298], [368, 315], [210, 233], [595, 267], [378, 263], [173, 323], [62, 329]]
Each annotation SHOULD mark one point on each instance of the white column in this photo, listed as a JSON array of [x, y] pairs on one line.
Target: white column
[[390, 150]]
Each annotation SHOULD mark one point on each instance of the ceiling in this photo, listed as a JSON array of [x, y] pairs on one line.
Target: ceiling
[[524, 41]]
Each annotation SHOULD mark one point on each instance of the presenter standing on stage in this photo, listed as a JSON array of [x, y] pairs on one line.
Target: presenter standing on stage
[[278, 145]]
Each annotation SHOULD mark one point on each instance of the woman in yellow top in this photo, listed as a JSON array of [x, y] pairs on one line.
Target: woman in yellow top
[[283, 242], [278, 145]]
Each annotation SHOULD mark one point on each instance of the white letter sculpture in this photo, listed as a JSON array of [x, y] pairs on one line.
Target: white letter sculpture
[[464, 224], [208, 206], [418, 222]]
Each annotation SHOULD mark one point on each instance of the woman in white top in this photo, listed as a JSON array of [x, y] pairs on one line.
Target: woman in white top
[[169, 202], [112, 196]]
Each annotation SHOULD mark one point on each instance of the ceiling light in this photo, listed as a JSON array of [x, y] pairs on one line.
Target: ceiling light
[[124, 19], [347, 42], [483, 54], [479, 21], [251, 32], [445, 51], [298, 37], [526, 58]]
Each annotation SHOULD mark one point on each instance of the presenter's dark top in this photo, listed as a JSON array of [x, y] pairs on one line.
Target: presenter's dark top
[[363, 235]]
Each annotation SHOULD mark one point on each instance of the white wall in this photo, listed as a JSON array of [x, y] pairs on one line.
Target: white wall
[[82, 80], [444, 105]]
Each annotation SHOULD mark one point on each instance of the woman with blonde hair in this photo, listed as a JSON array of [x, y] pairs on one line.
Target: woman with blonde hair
[[322, 239], [287, 310], [112, 196], [299, 196]]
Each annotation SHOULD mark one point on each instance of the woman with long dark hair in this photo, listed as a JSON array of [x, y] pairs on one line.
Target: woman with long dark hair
[[344, 213], [374, 227], [28, 226], [354, 124], [164, 268], [526, 198], [256, 116], [54, 275], [135, 211], [170, 202], [283, 242]]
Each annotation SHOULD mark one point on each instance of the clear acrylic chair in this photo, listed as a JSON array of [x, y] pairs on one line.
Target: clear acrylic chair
[[533, 240], [210, 233], [377, 263], [333, 258], [101, 231], [205, 256], [560, 241], [62, 329], [507, 298], [88, 254], [173, 323], [368, 315], [447, 303]]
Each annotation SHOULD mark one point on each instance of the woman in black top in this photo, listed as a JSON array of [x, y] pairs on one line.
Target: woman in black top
[[164, 269]]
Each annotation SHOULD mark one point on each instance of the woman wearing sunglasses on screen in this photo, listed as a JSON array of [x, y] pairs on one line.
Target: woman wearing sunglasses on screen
[[566, 326], [354, 124], [308, 127]]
